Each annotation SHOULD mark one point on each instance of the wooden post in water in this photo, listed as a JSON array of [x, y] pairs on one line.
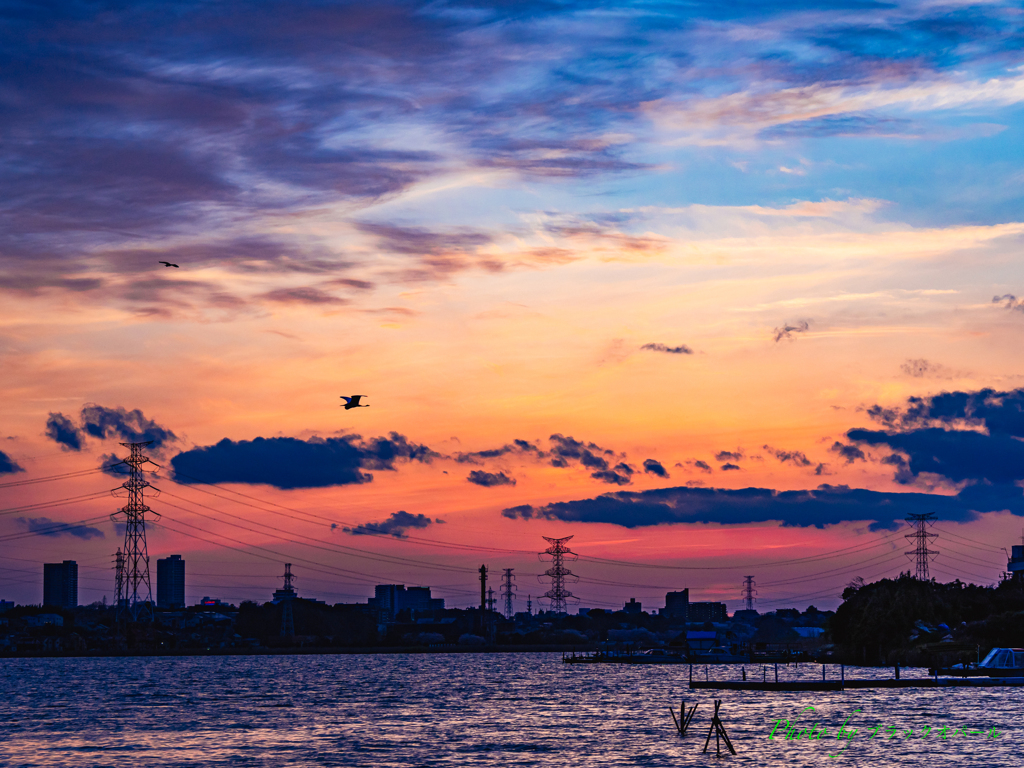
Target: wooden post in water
[[842, 676], [719, 729], [683, 721], [823, 673], [776, 671]]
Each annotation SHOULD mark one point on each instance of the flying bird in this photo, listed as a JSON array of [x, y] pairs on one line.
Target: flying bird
[[168, 264], [353, 402]]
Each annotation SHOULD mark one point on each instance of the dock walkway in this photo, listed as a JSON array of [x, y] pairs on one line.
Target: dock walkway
[[838, 685]]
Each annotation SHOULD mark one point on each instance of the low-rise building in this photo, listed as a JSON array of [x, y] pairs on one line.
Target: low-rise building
[[1015, 565]]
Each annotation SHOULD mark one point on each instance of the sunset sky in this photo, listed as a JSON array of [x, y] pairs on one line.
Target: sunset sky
[[685, 281]]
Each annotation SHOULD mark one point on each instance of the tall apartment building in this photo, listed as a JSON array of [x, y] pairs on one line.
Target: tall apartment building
[[170, 582], [677, 605], [60, 584]]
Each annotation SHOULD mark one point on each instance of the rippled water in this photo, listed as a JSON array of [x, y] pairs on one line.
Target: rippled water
[[461, 710]]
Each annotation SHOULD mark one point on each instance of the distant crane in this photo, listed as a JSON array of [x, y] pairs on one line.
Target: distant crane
[[353, 402]]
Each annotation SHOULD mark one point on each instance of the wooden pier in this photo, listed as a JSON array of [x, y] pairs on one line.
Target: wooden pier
[[839, 685]]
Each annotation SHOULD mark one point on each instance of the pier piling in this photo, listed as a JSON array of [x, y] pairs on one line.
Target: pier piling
[[719, 730]]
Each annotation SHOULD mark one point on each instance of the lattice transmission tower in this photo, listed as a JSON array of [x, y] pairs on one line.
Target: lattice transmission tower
[[118, 579], [921, 552], [748, 593], [136, 603], [558, 595], [285, 595], [508, 592]]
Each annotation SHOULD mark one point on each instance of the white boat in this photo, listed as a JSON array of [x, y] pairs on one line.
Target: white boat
[[1000, 662]]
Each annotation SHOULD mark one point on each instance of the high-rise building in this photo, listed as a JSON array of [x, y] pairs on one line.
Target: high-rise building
[[390, 599], [60, 584], [677, 605], [170, 582], [707, 612]]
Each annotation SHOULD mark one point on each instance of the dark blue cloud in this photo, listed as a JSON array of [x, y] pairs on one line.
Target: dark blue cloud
[[986, 448], [621, 474], [590, 455], [44, 526], [786, 330], [107, 423], [490, 479], [727, 467], [827, 505], [1001, 413], [682, 349], [797, 458], [850, 453], [653, 467], [288, 462], [8, 465], [396, 525], [129, 426], [63, 430], [516, 446], [957, 455]]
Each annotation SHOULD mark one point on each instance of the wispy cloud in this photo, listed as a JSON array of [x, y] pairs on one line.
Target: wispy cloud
[[787, 330]]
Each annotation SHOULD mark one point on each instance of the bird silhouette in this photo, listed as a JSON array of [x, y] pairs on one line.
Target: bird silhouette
[[353, 402], [168, 264]]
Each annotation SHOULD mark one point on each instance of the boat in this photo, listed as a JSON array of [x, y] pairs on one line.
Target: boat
[[1000, 662]]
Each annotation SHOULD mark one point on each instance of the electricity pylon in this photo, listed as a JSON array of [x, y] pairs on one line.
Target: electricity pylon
[[559, 574], [508, 592], [749, 592], [137, 597], [921, 552]]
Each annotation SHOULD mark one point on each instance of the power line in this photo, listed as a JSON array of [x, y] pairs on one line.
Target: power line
[[408, 539], [336, 548], [56, 503], [958, 536], [51, 478], [51, 529], [768, 564]]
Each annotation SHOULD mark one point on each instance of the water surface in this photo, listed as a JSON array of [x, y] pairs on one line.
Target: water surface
[[465, 710]]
